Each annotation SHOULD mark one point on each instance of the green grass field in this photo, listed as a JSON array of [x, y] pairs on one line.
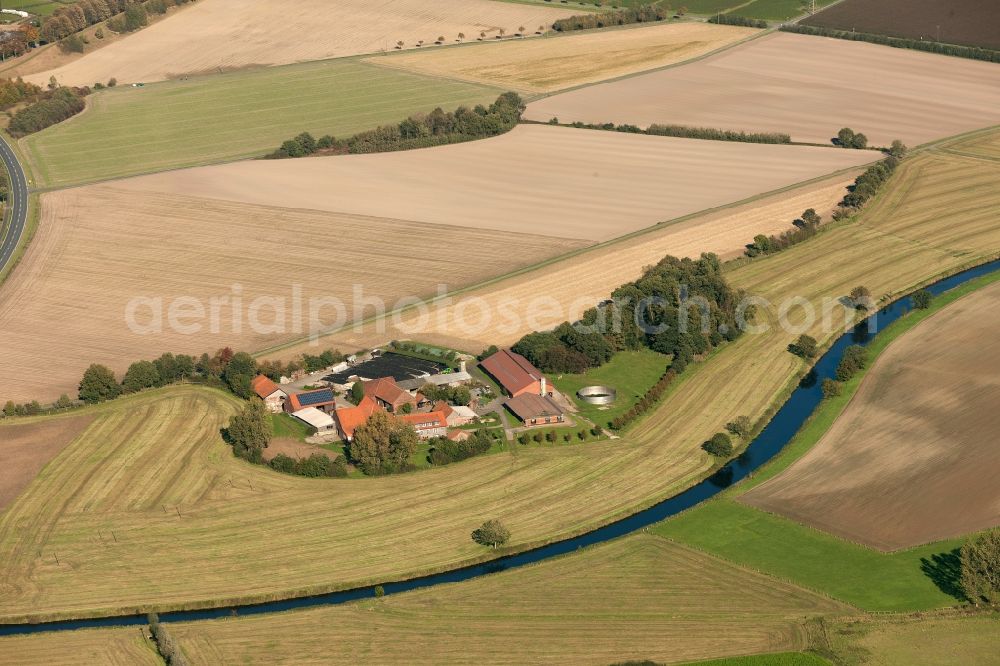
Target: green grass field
[[858, 575], [206, 119], [287, 426], [632, 373], [771, 10], [39, 7]]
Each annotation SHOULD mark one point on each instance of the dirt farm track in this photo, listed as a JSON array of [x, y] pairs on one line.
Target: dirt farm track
[[911, 460]]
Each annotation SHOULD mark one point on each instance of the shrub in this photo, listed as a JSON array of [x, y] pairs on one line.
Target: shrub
[[831, 388], [445, 451], [855, 358]]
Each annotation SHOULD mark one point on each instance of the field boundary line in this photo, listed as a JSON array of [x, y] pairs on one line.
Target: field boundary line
[[659, 226]]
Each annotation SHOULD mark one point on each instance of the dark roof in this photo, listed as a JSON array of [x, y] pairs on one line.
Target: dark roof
[[513, 371], [312, 398], [529, 406]]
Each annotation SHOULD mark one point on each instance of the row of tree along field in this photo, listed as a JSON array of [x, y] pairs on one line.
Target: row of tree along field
[[645, 14], [120, 15], [684, 132], [420, 131], [971, 52]]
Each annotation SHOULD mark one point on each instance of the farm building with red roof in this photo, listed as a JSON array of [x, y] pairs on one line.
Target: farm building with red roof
[[515, 373]]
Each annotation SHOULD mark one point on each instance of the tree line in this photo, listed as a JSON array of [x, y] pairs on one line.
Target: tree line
[[418, 131], [644, 14], [802, 229], [165, 643], [445, 451], [684, 132], [53, 107], [746, 22], [685, 306], [121, 16], [971, 52]]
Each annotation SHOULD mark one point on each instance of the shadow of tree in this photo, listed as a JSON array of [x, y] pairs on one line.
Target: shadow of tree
[[945, 569]]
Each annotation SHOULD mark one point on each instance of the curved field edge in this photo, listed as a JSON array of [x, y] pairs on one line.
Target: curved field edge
[[870, 579], [581, 487], [640, 595]]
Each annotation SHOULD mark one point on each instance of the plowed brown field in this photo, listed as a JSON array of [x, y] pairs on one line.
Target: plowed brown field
[[806, 86], [911, 459], [571, 183]]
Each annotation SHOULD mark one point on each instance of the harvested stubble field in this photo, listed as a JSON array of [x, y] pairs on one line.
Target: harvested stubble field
[[229, 116], [558, 181], [918, 641], [233, 541], [217, 35], [641, 597], [908, 461], [968, 22], [764, 85], [26, 447], [724, 232], [100, 246], [108, 647], [546, 65]]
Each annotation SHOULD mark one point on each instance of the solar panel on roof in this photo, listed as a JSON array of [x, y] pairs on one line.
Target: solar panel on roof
[[315, 397]]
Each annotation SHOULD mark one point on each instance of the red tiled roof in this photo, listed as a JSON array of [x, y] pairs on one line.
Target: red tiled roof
[[458, 435], [263, 386], [513, 371], [425, 420], [350, 418], [386, 390], [443, 407]]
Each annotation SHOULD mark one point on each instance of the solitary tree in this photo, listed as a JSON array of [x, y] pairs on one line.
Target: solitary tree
[[357, 392], [720, 445], [922, 299], [740, 427], [491, 533], [98, 384], [461, 36], [898, 149], [250, 431], [805, 346], [861, 297], [520, 30], [980, 558], [845, 137]]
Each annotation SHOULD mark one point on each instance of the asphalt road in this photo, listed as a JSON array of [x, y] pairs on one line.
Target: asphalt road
[[18, 204]]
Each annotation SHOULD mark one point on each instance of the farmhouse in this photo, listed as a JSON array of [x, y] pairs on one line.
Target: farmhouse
[[534, 409], [456, 415], [427, 424], [390, 396], [316, 419], [350, 418], [274, 398], [515, 374], [322, 399]]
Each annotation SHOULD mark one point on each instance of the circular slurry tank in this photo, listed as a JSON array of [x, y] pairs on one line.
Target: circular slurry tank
[[597, 395]]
